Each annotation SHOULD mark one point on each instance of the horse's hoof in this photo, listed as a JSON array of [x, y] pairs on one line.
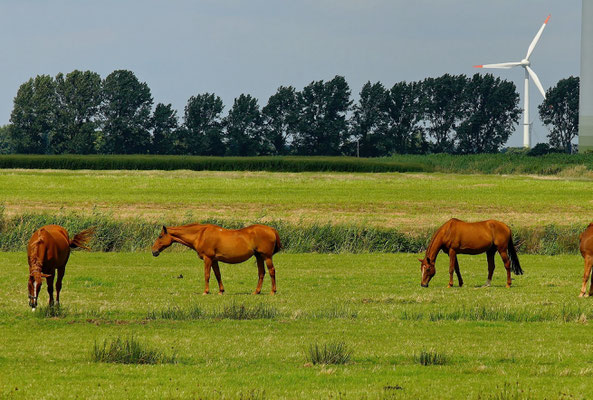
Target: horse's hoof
[[220, 293], [33, 309], [272, 293], [256, 292], [582, 294], [587, 295], [205, 293], [449, 286]]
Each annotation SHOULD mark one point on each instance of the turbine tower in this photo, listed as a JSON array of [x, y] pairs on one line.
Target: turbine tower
[[525, 63], [586, 92]]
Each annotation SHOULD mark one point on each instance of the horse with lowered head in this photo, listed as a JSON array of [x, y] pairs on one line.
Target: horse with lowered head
[[458, 237], [48, 251], [232, 246]]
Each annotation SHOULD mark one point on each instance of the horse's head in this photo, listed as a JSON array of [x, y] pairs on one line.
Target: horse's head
[[162, 242], [34, 286], [428, 270]]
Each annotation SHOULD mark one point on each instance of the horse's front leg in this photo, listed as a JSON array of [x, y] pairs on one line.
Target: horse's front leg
[[586, 275], [452, 261], [218, 277], [207, 267]]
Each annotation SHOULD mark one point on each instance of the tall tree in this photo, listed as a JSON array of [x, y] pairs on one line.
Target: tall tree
[[244, 127], [78, 97], [370, 121], [560, 112], [322, 128], [404, 131], [164, 130], [442, 105], [33, 117], [490, 114], [202, 129], [279, 120], [126, 107], [6, 140]]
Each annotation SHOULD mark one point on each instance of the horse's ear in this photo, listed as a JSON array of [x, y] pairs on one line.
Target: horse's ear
[[421, 260], [165, 229]]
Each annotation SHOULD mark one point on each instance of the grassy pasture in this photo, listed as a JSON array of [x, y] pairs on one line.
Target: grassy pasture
[[407, 201], [530, 341]]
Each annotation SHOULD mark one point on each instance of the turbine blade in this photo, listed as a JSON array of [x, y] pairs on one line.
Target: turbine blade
[[536, 38], [500, 65], [536, 81]]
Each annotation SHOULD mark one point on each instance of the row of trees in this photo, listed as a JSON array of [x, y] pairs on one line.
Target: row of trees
[[84, 114]]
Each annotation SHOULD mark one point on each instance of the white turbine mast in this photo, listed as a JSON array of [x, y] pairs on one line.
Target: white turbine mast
[[525, 63]]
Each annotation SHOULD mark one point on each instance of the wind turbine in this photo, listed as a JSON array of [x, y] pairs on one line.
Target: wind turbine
[[525, 63]]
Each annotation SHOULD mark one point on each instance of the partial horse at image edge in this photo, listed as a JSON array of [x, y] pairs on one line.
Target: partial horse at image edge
[[586, 248], [48, 251], [459, 237], [214, 243]]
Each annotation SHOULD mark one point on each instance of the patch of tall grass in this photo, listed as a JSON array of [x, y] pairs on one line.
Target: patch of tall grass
[[128, 351], [430, 357], [138, 235], [565, 313], [328, 353]]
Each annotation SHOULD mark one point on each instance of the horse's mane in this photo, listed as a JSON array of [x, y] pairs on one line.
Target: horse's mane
[[36, 264]]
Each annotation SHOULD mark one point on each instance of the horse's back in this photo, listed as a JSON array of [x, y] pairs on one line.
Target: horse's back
[[476, 236], [586, 241], [53, 242]]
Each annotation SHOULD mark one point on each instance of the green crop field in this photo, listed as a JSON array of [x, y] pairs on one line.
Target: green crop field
[[406, 201], [530, 341]]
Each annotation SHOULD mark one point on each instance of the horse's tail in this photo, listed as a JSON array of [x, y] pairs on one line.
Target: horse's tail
[[278, 245], [515, 266], [81, 239]]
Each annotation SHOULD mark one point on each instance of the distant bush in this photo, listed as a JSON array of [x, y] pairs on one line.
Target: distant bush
[[201, 163]]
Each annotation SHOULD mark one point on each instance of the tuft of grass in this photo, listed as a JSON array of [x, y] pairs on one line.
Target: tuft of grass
[[507, 392], [52, 312], [177, 313], [242, 311], [430, 357], [128, 351], [329, 353], [337, 311]]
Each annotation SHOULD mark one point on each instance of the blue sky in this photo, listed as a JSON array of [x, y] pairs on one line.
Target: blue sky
[[182, 48]]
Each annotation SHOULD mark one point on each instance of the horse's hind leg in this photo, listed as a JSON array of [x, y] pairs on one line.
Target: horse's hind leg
[[61, 272], [272, 272], [50, 289], [507, 264], [261, 273], [586, 275], [218, 277], [490, 256], [458, 272], [452, 262]]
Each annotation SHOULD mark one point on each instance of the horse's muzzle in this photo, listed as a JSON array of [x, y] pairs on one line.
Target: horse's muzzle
[[155, 253], [423, 285]]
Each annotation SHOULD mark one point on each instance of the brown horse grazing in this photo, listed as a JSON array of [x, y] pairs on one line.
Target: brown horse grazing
[[48, 250], [232, 246], [586, 246], [458, 237]]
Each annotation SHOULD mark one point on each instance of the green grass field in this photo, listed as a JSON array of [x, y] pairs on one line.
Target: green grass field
[[530, 341], [404, 201]]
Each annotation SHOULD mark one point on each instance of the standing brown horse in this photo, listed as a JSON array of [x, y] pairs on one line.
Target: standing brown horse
[[48, 250], [214, 244], [458, 237], [586, 239]]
